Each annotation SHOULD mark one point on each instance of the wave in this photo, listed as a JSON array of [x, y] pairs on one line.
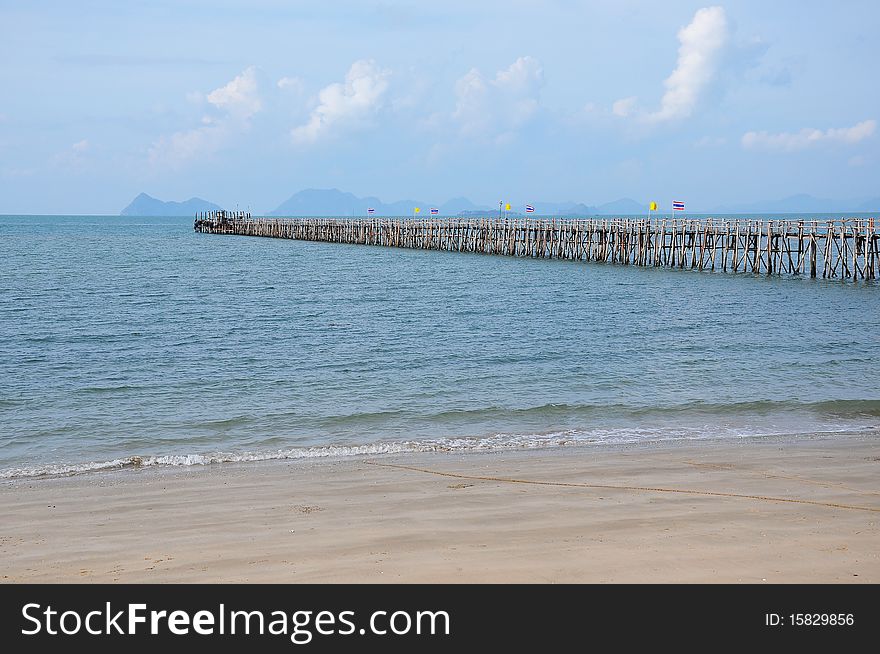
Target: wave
[[137, 461], [847, 407], [833, 408], [495, 442], [99, 390]]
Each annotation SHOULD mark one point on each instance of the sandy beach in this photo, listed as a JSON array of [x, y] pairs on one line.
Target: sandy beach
[[772, 510]]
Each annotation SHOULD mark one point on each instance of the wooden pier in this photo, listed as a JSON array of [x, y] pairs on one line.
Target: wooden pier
[[844, 249]]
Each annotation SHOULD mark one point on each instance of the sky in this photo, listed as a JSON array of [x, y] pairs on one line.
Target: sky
[[244, 103]]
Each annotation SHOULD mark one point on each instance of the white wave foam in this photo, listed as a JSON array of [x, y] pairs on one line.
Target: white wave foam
[[494, 442]]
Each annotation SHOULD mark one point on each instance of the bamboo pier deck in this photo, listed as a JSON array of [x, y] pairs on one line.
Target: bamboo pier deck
[[843, 249]]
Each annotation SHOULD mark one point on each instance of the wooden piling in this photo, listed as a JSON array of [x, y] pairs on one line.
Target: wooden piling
[[772, 247]]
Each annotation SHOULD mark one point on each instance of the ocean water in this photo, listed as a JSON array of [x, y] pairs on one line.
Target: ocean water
[[130, 341]]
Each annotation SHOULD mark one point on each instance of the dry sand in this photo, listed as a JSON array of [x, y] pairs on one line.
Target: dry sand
[[350, 520]]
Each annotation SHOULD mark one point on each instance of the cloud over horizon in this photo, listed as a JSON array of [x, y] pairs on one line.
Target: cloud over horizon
[[496, 108], [235, 103], [239, 97], [809, 137], [345, 106], [591, 100], [703, 42], [73, 158]]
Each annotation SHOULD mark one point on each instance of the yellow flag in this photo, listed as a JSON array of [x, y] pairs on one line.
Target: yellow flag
[[507, 207], [652, 206], [417, 210]]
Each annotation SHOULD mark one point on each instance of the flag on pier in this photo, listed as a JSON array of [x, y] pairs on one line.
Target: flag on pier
[[434, 211], [678, 205], [371, 211], [652, 206], [417, 210], [507, 207], [530, 209]]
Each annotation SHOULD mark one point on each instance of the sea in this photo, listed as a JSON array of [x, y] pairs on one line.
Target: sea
[[133, 341]]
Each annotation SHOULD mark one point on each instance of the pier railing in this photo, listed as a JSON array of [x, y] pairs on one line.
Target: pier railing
[[845, 249]]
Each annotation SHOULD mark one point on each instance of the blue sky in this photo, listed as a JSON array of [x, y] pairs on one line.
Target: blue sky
[[243, 103]]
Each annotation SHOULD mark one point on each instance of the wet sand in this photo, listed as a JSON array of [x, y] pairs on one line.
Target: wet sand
[[783, 510]]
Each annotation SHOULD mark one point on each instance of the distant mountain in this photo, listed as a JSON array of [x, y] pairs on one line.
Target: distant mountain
[[333, 202], [623, 207], [803, 203], [488, 213], [561, 208], [145, 205], [579, 209], [456, 206], [321, 202]]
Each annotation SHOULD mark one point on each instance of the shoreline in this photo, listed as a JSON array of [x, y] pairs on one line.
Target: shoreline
[[793, 509], [196, 460]]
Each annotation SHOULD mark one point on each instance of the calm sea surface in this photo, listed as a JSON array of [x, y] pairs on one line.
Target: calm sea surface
[[135, 337]]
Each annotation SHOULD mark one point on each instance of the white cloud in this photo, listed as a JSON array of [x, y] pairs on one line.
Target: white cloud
[[525, 76], [497, 108], [470, 109], [182, 147], [234, 104], [703, 43], [238, 97], [624, 107], [806, 138], [72, 158], [345, 106], [294, 84]]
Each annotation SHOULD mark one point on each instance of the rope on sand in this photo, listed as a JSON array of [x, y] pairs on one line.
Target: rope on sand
[[770, 475], [642, 489]]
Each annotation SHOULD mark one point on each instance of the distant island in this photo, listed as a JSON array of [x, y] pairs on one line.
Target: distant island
[[333, 202], [145, 205]]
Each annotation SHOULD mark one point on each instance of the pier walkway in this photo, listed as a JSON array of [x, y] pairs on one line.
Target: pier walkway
[[844, 249]]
